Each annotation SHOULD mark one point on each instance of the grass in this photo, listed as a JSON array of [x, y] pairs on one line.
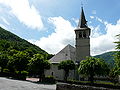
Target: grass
[[104, 82]]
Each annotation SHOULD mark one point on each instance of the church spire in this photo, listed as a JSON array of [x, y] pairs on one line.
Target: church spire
[[82, 21]]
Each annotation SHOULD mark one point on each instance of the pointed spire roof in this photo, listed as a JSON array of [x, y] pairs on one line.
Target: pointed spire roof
[[82, 21]]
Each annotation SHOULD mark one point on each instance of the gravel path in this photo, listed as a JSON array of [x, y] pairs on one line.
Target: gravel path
[[10, 84]]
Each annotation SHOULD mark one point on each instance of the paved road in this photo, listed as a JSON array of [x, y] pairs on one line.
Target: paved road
[[10, 84]]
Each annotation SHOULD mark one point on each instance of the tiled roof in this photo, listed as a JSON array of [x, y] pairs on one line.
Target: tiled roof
[[67, 53]]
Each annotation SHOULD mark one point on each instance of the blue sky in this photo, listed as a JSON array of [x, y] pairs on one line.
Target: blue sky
[[50, 24]]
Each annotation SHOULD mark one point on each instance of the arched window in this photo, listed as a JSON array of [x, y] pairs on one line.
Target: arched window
[[84, 34], [52, 73], [80, 35]]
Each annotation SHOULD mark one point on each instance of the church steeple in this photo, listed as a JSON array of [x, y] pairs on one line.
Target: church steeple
[[82, 21], [82, 38]]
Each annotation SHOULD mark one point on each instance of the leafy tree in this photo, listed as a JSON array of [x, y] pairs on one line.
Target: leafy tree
[[20, 61], [93, 66], [116, 69], [49, 56], [66, 65], [10, 41], [31, 51], [3, 61], [4, 45], [38, 64], [10, 64], [12, 52], [117, 55], [114, 74], [108, 58]]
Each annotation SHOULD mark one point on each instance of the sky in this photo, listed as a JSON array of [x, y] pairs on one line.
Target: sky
[[50, 24]]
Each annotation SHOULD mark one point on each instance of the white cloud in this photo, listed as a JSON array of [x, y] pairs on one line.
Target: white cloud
[[25, 13], [63, 35], [3, 26], [5, 21], [95, 31], [101, 21], [92, 17], [75, 20], [104, 43]]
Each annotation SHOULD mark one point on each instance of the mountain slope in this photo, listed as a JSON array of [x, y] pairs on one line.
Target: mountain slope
[[10, 41], [108, 57]]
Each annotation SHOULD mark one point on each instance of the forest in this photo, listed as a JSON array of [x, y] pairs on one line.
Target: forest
[[17, 54]]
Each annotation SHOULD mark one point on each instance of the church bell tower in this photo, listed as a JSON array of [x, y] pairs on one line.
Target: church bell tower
[[82, 38]]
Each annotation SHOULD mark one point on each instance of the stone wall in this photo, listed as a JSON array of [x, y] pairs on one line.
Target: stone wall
[[58, 74], [65, 86]]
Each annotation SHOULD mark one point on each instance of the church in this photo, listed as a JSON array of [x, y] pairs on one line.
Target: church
[[77, 53]]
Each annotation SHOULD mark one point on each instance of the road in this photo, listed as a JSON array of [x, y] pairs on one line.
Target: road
[[10, 84]]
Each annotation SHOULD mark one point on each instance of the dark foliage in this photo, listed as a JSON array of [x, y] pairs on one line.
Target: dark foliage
[[15, 54], [10, 41], [66, 65], [108, 57]]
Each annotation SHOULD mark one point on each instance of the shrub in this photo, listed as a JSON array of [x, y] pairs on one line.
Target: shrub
[[49, 79], [5, 73], [21, 75], [6, 70], [25, 73]]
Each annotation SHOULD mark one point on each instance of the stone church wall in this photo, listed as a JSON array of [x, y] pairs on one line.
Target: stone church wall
[[58, 74]]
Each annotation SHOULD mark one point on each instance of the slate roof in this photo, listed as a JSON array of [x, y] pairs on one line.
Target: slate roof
[[67, 53]]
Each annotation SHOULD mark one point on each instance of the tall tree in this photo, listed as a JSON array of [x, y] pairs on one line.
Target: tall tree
[[116, 69], [38, 64], [20, 61], [117, 55], [93, 66], [66, 65], [3, 61]]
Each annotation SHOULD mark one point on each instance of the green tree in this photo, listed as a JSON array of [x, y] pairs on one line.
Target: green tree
[[19, 61], [38, 64], [4, 45], [10, 64], [66, 65], [3, 61], [115, 72], [93, 66], [117, 55], [11, 52]]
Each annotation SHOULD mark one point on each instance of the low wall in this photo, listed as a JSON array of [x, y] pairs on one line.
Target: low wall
[[65, 86]]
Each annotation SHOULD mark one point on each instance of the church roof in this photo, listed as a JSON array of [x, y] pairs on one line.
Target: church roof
[[82, 21], [67, 53]]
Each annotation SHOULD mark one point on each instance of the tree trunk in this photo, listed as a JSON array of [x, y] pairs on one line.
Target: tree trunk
[[91, 78], [66, 75], [41, 76], [1, 69]]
